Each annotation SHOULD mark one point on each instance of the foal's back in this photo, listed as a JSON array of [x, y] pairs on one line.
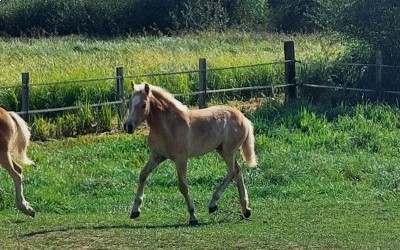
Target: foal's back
[[216, 127]]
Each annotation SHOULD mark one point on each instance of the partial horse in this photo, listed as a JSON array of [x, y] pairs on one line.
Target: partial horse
[[14, 140], [178, 133]]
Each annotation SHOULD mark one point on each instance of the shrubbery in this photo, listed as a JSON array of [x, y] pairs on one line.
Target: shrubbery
[[375, 22], [107, 18]]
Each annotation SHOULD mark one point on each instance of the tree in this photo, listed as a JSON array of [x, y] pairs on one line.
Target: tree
[[291, 15], [375, 22]]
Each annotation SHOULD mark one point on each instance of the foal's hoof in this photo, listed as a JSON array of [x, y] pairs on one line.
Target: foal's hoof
[[134, 215], [246, 214], [212, 209], [28, 211], [31, 213], [193, 223]]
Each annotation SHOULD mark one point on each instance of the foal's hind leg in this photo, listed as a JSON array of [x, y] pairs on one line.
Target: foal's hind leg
[[243, 198], [154, 160], [181, 168], [15, 172], [230, 162]]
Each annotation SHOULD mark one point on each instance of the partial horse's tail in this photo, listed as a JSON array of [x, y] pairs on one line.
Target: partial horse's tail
[[247, 148], [21, 139]]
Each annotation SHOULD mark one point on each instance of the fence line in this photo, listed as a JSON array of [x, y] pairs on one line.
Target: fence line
[[337, 87], [290, 83], [349, 88], [75, 81], [162, 74], [250, 65], [370, 65], [76, 107], [119, 81]]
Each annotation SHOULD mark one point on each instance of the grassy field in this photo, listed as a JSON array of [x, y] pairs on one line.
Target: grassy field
[[326, 179], [59, 59], [67, 58]]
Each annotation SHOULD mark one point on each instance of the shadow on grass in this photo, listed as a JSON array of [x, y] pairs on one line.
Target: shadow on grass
[[125, 226]]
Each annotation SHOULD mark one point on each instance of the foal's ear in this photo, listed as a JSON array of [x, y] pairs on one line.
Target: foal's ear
[[133, 85], [146, 88]]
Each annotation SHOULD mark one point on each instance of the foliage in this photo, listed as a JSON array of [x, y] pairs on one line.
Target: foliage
[[292, 16], [111, 18], [198, 15], [375, 22], [104, 18], [201, 15], [327, 178]]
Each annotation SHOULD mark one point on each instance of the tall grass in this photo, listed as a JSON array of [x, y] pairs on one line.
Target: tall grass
[[66, 58], [56, 59]]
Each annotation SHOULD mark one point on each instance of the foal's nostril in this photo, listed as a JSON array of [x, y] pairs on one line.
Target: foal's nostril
[[128, 128]]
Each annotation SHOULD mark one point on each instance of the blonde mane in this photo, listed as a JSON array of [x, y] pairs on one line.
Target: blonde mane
[[160, 92]]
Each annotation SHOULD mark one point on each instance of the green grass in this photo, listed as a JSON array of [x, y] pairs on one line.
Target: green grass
[[326, 179], [67, 58], [60, 59]]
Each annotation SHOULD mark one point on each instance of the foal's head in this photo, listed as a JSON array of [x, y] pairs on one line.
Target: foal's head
[[139, 106]]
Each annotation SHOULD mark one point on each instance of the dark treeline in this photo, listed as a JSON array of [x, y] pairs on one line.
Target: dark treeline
[[374, 22], [119, 17]]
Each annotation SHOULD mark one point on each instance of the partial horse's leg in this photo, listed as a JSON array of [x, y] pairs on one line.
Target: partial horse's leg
[[243, 198], [154, 160], [181, 168], [230, 162], [15, 172]]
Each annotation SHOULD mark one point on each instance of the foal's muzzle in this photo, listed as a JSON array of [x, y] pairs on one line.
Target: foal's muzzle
[[128, 128]]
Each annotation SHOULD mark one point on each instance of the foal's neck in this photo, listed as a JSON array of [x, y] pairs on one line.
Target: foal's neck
[[162, 112]]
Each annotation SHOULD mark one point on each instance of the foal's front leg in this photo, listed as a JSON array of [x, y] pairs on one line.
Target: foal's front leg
[[154, 160]]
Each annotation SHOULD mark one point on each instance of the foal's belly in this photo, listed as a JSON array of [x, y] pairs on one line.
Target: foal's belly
[[203, 147], [202, 143]]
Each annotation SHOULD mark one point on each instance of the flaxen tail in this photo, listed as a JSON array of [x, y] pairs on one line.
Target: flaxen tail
[[21, 139], [247, 148]]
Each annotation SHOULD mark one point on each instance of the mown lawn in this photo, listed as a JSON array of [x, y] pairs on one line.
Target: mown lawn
[[326, 179], [276, 224]]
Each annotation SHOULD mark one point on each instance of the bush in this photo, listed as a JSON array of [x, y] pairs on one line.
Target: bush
[[111, 18], [104, 18], [375, 22], [291, 16]]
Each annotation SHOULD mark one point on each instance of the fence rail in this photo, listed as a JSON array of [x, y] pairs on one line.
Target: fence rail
[[119, 88], [290, 84], [119, 79]]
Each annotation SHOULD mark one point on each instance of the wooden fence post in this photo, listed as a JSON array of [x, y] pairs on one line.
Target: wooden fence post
[[378, 75], [290, 69], [25, 96], [120, 91], [202, 101]]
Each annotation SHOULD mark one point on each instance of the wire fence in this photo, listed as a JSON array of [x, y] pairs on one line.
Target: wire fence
[[378, 80], [118, 85], [292, 76]]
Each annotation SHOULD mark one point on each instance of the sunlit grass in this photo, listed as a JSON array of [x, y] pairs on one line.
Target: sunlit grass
[[67, 58], [325, 179], [60, 59]]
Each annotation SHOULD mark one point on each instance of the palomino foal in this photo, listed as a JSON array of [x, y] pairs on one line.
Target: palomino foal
[[14, 138], [178, 133]]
